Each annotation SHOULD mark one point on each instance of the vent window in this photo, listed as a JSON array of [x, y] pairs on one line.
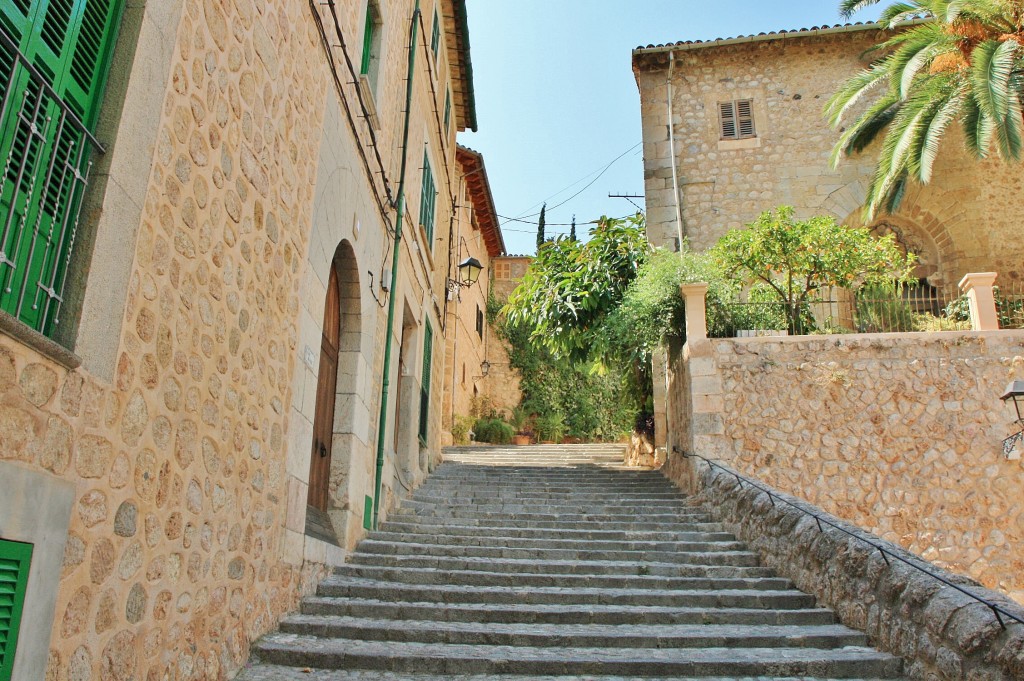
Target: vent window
[[736, 119]]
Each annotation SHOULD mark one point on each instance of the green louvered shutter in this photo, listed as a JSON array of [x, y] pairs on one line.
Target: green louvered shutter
[[428, 346], [15, 558], [69, 42], [368, 29], [435, 35], [447, 111], [428, 197]]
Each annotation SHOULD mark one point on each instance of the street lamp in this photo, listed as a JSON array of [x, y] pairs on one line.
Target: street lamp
[[469, 271], [1015, 392]]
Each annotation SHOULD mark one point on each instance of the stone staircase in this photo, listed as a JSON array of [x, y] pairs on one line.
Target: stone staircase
[[558, 563]]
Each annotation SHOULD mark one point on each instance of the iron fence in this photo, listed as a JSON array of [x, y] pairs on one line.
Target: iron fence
[[46, 153], [1010, 305], [838, 311]]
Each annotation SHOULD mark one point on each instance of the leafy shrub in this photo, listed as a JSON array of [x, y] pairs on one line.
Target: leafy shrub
[[460, 429], [550, 427], [494, 431]]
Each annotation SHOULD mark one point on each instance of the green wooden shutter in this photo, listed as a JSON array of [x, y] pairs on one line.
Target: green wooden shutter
[[428, 198], [435, 35], [15, 558], [69, 42], [447, 111], [428, 346], [368, 29]]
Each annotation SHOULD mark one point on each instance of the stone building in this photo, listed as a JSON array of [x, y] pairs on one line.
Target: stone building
[[749, 134], [468, 338], [196, 280]]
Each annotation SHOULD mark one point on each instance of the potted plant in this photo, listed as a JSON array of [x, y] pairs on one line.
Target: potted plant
[[522, 422], [550, 428]]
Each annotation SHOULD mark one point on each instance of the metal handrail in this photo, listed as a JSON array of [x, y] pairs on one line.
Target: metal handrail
[[996, 609], [9, 43]]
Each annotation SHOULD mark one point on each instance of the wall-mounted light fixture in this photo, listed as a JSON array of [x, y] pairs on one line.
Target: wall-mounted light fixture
[[469, 274], [485, 367], [1015, 392]]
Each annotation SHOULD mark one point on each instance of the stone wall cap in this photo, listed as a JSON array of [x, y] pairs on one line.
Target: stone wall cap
[[695, 287], [974, 279]]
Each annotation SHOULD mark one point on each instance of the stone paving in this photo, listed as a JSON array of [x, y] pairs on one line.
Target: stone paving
[[492, 571]]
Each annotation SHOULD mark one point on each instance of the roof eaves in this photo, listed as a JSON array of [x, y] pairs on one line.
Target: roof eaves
[[689, 45], [490, 224], [465, 62]]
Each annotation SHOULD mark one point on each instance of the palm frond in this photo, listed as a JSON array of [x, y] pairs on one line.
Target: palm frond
[[865, 129], [847, 8], [978, 128], [854, 90], [991, 67], [945, 104], [899, 12]]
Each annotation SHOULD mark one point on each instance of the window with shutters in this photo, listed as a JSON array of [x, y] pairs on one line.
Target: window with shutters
[[15, 558], [428, 200], [435, 35], [479, 322], [54, 58], [428, 346], [447, 111], [736, 119], [369, 65]]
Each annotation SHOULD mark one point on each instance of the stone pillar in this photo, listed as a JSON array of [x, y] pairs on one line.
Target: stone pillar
[[694, 296], [978, 287]]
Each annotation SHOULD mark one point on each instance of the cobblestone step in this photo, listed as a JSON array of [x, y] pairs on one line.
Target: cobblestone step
[[431, 575], [278, 673], [704, 531], [711, 543], [561, 565], [441, 658], [564, 613], [338, 586], [577, 635], [587, 562]]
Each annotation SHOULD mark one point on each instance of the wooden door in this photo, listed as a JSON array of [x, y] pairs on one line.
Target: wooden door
[[327, 381]]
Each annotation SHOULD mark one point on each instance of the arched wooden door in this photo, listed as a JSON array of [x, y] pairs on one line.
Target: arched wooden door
[[326, 388]]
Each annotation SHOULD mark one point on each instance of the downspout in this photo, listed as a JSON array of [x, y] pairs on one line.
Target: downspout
[[672, 152], [399, 220]]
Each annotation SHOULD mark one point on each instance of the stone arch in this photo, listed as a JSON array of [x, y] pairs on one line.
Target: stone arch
[[350, 410]]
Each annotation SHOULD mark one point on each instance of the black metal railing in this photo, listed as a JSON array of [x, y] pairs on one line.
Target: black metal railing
[[887, 554], [1010, 305], [46, 151]]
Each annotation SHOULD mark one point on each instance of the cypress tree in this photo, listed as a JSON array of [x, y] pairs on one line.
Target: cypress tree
[[540, 227], [572, 230]]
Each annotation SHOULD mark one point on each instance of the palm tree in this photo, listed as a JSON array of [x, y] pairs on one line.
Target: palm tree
[[948, 60]]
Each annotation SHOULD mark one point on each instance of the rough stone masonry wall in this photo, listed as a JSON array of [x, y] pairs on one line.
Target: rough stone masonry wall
[[900, 434], [943, 635], [172, 562]]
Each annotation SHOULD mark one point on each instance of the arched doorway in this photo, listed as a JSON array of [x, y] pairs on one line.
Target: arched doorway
[[326, 391]]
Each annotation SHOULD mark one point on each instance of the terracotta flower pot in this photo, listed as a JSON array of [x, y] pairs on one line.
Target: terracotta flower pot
[[521, 439]]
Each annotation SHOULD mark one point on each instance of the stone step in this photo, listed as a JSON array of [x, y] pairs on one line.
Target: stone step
[[716, 556], [561, 495], [712, 532], [507, 526], [569, 509], [623, 521], [723, 542], [338, 586], [577, 635], [483, 577], [560, 613], [279, 673], [439, 658]]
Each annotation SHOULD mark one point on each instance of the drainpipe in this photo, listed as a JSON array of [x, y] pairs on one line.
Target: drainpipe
[[672, 152], [399, 220]]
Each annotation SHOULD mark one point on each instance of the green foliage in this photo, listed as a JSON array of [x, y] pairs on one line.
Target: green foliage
[[1009, 310], [550, 427], [797, 258], [570, 286], [965, 62], [460, 429], [881, 309], [540, 227], [493, 430]]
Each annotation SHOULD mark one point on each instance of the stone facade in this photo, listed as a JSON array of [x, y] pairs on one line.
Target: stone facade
[[941, 633], [900, 434], [966, 220], [475, 233], [503, 380], [179, 414]]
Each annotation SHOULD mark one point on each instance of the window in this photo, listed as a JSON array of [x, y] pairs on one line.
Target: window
[[736, 119], [370, 64], [503, 270], [479, 322], [428, 345], [435, 35], [48, 115], [428, 199], [15, 558], [463, 373], [447, 111]]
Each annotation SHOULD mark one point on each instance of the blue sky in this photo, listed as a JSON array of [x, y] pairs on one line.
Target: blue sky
[[557, 102]]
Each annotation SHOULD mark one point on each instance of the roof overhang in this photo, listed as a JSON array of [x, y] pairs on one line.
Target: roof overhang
[[457, 44], [475, 174]]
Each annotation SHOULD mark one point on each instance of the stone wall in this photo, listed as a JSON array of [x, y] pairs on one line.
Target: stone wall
[[899, 434], [965, 220], [942, 634]]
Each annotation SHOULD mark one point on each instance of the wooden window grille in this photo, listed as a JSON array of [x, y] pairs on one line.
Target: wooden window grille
[[736, 119]]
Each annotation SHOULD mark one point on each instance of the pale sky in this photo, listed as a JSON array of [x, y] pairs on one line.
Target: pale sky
[[557, 102]]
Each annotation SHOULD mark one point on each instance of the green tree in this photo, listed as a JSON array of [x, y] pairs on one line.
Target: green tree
[[958, 60], [540, 227], [797, 258], [570, 287], [572, 229]]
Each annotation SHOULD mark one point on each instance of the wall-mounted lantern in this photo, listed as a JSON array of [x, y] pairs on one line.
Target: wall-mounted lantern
[[1015, 392], [485, 367], [469, 273]]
